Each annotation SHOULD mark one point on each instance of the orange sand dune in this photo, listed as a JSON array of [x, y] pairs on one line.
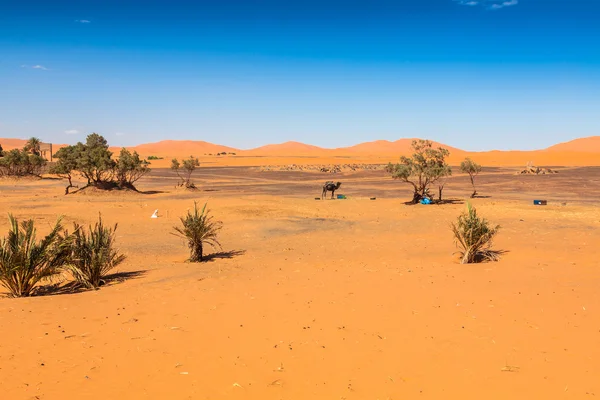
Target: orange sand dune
[[288, 148], [580, 152], [588, 145], [181, 147], [401, 146]]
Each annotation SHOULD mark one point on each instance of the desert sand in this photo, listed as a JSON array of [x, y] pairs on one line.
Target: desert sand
[[334, 299]]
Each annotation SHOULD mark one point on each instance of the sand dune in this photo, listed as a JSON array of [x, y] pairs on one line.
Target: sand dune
[[586, 145], [579, 152]]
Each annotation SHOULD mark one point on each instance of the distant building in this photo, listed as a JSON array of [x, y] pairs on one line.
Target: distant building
[[46, 151]]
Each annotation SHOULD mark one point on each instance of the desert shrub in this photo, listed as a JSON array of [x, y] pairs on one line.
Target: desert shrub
[[1, 151], [426, 166], [129, 168], [155, 158], [198, 229], [94, 162], [19, 163], [25, 262], [470, 167], [473, 236], [93, 254], [185, 169]]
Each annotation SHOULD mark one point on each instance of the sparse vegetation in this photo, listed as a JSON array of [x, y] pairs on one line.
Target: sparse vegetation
[[66, 164], [426, 166], [93, 161], [470, 167], [473, 236], [155, 158], [20, 163], [25, 262], [93, 254], [198, 229], [33, 146], [184, 170], [129, 168]]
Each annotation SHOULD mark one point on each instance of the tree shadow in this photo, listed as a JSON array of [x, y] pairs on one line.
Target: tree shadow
[[151, 191], [481, 197], [450, 201], [224, 254], [75, 287]]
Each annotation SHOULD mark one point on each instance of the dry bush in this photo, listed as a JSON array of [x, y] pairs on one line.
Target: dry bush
[[198, 228], [473, 236]]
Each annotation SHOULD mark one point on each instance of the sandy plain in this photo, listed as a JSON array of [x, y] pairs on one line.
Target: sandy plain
[[336, 299]]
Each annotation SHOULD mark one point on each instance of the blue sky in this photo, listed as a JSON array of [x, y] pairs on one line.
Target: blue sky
[[475, 74]]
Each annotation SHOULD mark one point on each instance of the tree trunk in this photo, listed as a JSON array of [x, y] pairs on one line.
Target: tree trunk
[[416, 198], [474, 194], [440, 189], [196, 255]]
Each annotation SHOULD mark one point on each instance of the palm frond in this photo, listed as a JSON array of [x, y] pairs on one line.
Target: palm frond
[[198, 229], [474, 237], [25, 262]]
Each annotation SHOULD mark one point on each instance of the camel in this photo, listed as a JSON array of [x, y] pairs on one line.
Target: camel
[[329, 186]]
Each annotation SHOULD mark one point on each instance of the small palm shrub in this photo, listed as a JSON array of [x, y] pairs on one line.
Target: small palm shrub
[[25, 262], [93, 254], [473, 236], [198, 228]]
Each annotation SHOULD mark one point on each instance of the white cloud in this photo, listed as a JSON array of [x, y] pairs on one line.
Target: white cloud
[[83, 21], [35, 67], [489, 4], [72, 132]]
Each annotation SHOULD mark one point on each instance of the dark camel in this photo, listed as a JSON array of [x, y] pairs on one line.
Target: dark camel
[[329, 186]]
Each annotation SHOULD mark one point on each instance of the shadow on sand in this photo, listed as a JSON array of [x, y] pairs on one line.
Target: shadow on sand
[[224, 254], [74, 287]]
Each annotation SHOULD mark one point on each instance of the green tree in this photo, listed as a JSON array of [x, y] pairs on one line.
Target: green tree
[[19, 163], [129, 168], [33, 146], [67, 164], [95, 162], [426, 166], [185, 169], [470, 167]]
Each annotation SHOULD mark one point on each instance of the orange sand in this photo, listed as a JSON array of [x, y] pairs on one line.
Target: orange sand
[[351, 299]]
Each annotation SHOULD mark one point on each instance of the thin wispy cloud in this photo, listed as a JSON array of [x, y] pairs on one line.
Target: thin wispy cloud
[[489, 4], [72, 132], [40, 67], [83, 21]]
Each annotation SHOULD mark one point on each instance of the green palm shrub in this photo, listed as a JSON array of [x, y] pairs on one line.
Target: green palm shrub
[[473, 236], [198, 228], [93, 254], [26, 262]]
